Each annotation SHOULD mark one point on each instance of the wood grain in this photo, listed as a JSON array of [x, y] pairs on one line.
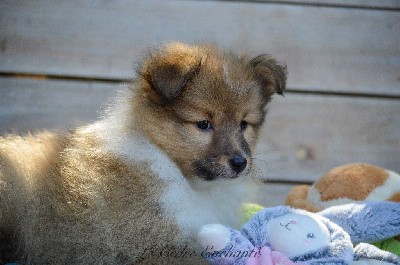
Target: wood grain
[[326, 49], [304, 135], [28, 105]]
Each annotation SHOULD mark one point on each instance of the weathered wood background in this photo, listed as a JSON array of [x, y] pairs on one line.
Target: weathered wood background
[[60, 61]]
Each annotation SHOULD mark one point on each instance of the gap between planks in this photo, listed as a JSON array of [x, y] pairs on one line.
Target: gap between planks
[[121, 81], [318, 4]]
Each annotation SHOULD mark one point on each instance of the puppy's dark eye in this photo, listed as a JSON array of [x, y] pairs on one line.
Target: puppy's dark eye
[[243, 125], [204, 125]]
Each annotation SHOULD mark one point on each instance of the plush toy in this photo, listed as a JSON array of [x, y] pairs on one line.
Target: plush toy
[[284, 235], [350, 183], [345, 184]]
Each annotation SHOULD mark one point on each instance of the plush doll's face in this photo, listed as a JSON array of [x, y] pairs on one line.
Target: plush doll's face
[[297, 234]]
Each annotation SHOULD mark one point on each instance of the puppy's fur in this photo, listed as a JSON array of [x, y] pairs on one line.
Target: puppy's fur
[[135, 186]]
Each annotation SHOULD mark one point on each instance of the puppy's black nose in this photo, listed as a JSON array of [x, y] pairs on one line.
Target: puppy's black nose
[[238, 163]]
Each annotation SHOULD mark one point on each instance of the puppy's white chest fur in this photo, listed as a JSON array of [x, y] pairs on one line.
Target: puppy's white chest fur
[[195, 203], [191, 202]]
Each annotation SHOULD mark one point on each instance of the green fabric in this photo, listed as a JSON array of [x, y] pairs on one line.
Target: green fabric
[[390, 245], [249, 209]]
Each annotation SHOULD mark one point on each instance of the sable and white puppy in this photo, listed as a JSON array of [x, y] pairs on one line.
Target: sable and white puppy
[[172, 154]]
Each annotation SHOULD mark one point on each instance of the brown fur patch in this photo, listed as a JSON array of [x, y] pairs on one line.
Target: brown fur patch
[[297, 198], [395, 197], [76, 197], [26, 166], [353, 181], [166, 72]]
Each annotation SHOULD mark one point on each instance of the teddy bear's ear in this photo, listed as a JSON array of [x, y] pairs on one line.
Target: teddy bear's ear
[[269, 73], [167, 71]]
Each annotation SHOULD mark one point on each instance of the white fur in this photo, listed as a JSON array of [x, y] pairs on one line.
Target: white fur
[[228, 80], [314, 197], [391, 185], [384, 192], [205, 202], [192, 203]]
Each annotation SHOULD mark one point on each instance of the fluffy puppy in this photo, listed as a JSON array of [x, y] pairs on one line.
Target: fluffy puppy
[[173, 153]]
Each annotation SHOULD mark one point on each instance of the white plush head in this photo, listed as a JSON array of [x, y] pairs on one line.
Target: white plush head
[[296, 234]]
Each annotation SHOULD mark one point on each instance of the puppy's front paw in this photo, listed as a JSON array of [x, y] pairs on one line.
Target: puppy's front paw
[[214, 235]]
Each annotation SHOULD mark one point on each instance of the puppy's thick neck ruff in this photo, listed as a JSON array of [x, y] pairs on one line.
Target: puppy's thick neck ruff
[[192, 202]]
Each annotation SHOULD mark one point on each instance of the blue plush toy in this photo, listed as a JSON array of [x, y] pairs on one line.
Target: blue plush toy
[[284, 235]]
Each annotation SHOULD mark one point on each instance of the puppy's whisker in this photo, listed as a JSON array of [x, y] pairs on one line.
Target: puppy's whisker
[[262, 160]]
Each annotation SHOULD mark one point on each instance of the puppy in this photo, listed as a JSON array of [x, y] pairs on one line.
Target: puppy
[[173, 153]]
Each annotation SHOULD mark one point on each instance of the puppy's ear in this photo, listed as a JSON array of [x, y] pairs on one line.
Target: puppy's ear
[[166, 72], [269, 73]]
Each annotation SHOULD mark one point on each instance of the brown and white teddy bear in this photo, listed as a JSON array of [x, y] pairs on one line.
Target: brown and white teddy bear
[[358, 182]]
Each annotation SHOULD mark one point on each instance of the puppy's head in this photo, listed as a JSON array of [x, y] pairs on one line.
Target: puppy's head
[[205, 107]]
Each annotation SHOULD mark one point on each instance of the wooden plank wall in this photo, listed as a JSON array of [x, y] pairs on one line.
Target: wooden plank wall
[[60, 61]]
